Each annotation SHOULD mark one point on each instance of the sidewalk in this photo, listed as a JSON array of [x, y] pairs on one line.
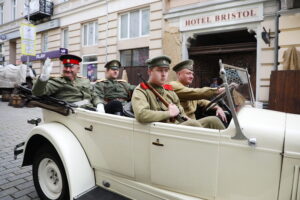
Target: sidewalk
[[15, 181]]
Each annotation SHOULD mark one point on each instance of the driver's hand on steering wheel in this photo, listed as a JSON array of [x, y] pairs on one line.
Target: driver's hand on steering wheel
[[220, 113], [220, 90], [233, 85]]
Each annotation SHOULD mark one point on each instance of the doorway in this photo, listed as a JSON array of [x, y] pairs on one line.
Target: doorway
[[236, 48], [12, 52]]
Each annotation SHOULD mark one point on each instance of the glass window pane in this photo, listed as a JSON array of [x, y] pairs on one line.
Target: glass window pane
[[1, 13], [145, 22], [44, 42], [90, 33], [124, 26], [125, 58], [85, 35], [65, 38], [140, 56], [89, 67], [96, 33], [134, 24], [90, 59], [91, 71]]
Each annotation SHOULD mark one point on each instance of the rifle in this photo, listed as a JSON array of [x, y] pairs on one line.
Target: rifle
[[179, 117], [47, 102]]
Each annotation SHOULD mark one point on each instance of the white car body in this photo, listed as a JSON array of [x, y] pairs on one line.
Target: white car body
[[189, 163]]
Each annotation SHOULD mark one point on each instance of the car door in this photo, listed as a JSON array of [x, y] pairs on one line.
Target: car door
[[108, 141], [184, 159]]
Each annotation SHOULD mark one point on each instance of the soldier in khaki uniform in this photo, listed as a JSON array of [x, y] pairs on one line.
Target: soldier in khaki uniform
[[193, 98], [148, 108], [114, 93], [68, 87]]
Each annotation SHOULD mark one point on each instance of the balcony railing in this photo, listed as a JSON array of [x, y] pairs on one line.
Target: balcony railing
[[39, 9]]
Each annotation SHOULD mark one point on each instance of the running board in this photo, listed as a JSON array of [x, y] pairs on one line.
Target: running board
[[100, 194]]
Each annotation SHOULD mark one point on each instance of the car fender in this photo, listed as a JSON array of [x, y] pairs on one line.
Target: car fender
[[78, 170]]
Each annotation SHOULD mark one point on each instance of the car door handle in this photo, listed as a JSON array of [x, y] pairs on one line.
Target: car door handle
[[89, 128], [157, 143]]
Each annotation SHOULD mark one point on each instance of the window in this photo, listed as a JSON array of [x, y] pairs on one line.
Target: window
[[90, 34], [1, 13], [65, 38], [89, 67], [13, 9], [1, 55], [134, 57], [134, 24], [44, 42]]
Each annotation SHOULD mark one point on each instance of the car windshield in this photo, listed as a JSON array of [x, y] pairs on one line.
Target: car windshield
[[243, 93]]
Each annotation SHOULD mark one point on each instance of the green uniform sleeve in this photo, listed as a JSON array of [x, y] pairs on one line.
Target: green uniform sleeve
[[48, 87], [185, 93], [142, 111], [95, 98], [99, 91], [131, 87]]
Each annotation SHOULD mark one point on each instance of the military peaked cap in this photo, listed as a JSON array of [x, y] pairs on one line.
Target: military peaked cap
[[113, 64], [159, 61], [69, 60], [187, 64]]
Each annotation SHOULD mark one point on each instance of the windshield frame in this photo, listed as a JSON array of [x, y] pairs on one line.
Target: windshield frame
[[239, 135], [250, 90]]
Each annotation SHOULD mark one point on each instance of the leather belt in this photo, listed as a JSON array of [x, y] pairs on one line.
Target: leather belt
[[118, 99]]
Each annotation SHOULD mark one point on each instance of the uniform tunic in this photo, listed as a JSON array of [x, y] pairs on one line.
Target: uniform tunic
[[191, 98], [64, 89], [148, 108], [110, 89]]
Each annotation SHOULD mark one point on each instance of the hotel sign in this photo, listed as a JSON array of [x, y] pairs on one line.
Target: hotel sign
[[232, 16]]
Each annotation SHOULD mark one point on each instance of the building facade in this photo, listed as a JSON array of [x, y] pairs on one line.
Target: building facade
[[98, 31], [209, 30], [132, 31]]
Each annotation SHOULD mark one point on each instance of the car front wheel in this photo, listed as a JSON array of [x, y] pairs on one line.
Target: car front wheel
[[49, 175]]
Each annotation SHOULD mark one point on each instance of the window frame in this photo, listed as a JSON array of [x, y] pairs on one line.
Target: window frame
[[1, 13], [13, 10], [128, 24], [86, 63], [65, 43], [44, 43], [95, 34], [131, 56]]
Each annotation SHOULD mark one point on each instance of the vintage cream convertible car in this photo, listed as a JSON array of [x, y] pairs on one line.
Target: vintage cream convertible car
[[90, 155]]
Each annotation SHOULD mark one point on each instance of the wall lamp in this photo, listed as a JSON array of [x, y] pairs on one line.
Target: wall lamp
[[266, 36]]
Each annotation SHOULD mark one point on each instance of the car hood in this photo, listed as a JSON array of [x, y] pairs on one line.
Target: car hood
[[292, 138], [266, 126]]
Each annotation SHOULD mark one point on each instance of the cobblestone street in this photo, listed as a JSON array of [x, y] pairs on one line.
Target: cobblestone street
[[15, 181]]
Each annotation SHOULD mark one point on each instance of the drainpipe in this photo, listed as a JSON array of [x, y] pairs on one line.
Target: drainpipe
[[276, 47], [106, 31]]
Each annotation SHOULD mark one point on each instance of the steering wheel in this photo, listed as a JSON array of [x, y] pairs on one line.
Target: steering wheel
[[215, 101], [219, 98]]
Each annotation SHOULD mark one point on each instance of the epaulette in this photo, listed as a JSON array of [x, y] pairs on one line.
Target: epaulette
[[101, 80], [122, 80], [81, 76], [56, 75], [144, 86], [168, 87]]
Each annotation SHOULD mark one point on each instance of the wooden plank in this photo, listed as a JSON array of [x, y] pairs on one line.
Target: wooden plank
[[285, 91]]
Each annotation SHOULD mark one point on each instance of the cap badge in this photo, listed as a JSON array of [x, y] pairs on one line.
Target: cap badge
[[68, 60]]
